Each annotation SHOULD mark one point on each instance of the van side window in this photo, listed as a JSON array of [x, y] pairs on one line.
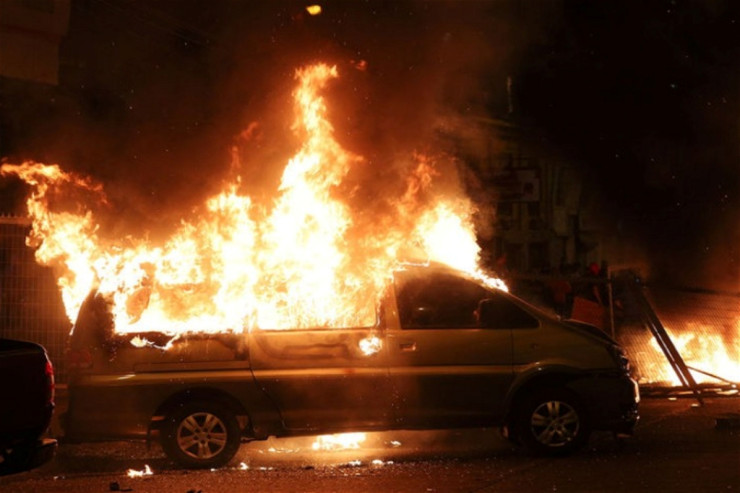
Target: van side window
[[444, 301], [438, 301], [497, 312]]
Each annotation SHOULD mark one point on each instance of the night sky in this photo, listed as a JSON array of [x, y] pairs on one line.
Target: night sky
[[644, 96]]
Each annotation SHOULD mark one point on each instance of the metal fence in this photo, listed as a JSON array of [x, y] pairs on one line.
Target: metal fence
[[704, 326], [31, 306]]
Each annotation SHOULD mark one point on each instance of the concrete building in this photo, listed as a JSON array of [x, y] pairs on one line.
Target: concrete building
[[30, 34], [547, 213]]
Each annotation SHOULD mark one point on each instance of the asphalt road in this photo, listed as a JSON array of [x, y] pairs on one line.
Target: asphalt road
[[678, 447]]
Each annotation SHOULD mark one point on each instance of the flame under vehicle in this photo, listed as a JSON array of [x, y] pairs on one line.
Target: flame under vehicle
[[446, 352]]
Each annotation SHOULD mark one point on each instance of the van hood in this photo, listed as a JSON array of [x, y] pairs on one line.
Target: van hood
[[589, 329]]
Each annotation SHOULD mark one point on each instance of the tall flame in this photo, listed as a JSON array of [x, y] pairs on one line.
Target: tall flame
[[303, 262]]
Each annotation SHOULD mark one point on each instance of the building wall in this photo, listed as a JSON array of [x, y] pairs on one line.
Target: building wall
[[30, 34], [545, 217]]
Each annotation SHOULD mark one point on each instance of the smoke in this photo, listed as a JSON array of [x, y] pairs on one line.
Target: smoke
[[162, 103]]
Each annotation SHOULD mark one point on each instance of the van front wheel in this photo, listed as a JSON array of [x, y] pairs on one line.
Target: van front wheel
[[552, 422], [201, 435]]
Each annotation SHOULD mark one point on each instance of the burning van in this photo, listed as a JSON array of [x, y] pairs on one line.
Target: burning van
[[446, 351], [299, 312]]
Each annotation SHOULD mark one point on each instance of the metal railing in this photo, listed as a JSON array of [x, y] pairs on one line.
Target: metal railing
[[31, 306]]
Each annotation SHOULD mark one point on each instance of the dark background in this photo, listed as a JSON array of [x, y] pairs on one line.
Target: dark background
[[642, 95]]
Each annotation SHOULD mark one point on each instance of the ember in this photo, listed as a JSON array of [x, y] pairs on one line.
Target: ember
[[342, 441], [133, 473], [314, 9], [301, 262]]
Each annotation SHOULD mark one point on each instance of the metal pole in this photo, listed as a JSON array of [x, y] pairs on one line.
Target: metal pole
[[610, 295], [666, 344]]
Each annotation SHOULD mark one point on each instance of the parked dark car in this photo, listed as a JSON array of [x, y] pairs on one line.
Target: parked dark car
[[447, 351], [27, 389]]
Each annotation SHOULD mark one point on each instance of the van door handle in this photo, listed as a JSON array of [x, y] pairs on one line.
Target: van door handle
[[407, 347]]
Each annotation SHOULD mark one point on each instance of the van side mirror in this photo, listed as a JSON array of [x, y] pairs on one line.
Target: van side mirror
[[486, 313], [500, 313]]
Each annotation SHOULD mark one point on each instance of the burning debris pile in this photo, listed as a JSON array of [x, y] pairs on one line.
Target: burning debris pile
[[704, 328], [312, 258]]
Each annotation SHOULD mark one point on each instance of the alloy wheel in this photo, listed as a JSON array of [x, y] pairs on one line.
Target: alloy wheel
[[202, 435], [555, 423]]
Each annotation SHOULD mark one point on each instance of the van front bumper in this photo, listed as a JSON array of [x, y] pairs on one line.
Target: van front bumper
[[613, 401]]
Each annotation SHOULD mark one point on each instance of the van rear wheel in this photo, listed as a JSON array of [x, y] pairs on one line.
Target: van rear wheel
[[552, 422], [201, 435]]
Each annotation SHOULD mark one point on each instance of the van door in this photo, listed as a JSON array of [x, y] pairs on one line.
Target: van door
[[324, 379], [446, 367]]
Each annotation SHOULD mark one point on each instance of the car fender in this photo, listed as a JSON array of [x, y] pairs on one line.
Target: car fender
[[540, 374]]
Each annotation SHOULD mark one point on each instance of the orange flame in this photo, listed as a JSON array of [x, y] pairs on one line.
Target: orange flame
[[706, 355], [340, 441], [233, 266], [133, 473], [710, 357]]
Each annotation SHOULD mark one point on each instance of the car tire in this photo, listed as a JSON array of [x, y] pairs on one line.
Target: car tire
[[552, 421], [201, 435]]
